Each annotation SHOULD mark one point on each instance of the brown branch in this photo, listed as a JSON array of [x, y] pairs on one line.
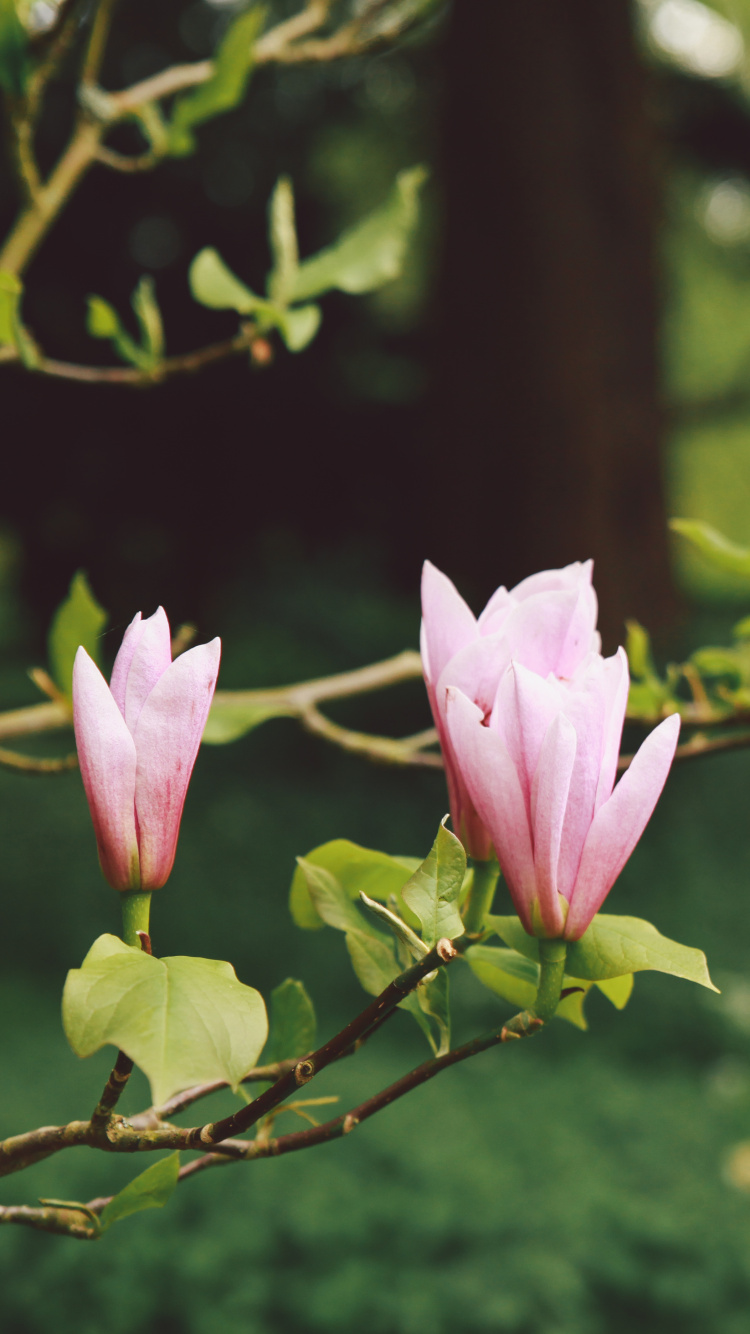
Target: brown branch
[[385, 750], [187, 363], [698, 745], [97, 45], [310, 1066], [29, 764], [117, 1135]]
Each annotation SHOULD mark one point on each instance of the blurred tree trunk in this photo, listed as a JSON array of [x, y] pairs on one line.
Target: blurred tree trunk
[[548, 405]]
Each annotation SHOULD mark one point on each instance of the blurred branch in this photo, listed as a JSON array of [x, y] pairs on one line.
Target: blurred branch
[[699, 744], [92, 63], [188, 363]]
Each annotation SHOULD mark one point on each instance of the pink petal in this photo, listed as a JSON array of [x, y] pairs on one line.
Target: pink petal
[[167, 737], [550, 632], [619, 823], [487, 771], [491, 619], [525, 706], [547, 581], [549, 799], [119, 678], [616, 679], [476, 670], [106, 752], [152, 657], [585, 707], [447, 622]]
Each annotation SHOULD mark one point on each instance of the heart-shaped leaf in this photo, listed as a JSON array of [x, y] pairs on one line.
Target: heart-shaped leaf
[[184, 1021]]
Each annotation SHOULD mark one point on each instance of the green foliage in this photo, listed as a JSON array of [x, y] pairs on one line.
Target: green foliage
[[434, 889], [231, 718], [225, 89], [149, 1190], [515, 978], [184, 1021], [375, 960], [292, 1024], [14, 44], [357, 870], [613, 947], [364, 258], [716, 548], [79, 620], [372, 252], [104, 322]]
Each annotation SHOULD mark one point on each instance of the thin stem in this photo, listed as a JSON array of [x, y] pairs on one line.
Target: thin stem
[[481, 894], [385, 750], [98, 41], [34, 221], [30, 764], [552, 955], [136, 907], [113, 1089]]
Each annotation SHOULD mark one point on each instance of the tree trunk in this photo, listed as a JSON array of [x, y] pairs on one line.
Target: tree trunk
[[546, 444]]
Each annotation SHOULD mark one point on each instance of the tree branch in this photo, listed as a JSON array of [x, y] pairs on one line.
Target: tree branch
[[114, 1134]]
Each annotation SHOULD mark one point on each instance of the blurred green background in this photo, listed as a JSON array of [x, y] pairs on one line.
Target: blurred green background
[[586, 1182]]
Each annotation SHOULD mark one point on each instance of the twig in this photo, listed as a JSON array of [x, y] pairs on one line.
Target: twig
[[185, 364], [98, 41], [699, 744], [118, 1135], [310, 1066], [29, 764], [385, 750]]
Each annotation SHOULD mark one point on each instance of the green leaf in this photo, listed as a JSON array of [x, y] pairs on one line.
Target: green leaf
[[357, 869], [618, 990], [232, 66], [292, 1023], [370, 253], [149, 318], [722, 553], [213, 284], [150, 1190], [613, 946], [330, 899], [638, 649], [375, 964], [183, 1021], [231, 718], [415, 948], [433, 1000], [718, 661], [79, 620], [298, 327], [14, 44], [515, 979], [434, 890], [282, 236], [373, 960], [11, 291], [102, 321]]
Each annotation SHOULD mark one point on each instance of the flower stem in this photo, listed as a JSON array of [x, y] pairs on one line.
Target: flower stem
[[136, 906], [480, 896], [552, 955]]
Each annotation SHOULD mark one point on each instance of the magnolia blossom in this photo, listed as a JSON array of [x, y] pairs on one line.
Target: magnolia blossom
[[541, 773], [137, 741], [547, 623]]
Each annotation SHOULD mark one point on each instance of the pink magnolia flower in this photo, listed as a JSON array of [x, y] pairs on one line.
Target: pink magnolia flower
[[541, 775], [137, 741], [547, 623]]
